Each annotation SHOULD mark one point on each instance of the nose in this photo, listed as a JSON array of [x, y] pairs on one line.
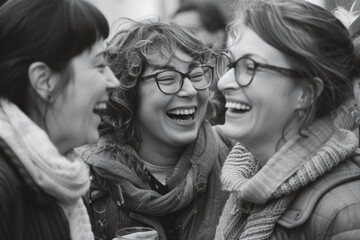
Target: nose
[[228, 81], [187, 89], [111, 80]]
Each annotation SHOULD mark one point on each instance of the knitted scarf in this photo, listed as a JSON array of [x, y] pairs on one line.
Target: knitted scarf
[[188, 179], [64, 179], [259, 196]]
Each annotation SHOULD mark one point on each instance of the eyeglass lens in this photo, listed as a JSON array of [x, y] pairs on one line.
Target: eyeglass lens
[[244, 69], [172, 81]]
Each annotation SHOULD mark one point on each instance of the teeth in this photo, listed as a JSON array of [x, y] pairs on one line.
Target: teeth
[[238, 106], [182, 111], [100, 106]]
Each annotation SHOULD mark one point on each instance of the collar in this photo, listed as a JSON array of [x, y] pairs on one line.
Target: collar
[[303, 205]]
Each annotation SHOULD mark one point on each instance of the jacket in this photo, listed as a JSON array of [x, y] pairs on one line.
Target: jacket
[[27, 213], [108, 210], [329, 208]]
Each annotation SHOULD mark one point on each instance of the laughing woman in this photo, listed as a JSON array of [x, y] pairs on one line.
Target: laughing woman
[[158, 162], [50, 84], [286, 79]]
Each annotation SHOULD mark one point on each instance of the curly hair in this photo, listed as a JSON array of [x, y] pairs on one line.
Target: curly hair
[[314, 39], [133, 47]]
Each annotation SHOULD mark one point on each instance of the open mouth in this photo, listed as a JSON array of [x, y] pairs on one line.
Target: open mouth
[[237, 107], [182, 114], [100, 108]]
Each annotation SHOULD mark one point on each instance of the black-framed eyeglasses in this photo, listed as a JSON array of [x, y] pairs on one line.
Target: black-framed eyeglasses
[[246, 68], [171, 81]]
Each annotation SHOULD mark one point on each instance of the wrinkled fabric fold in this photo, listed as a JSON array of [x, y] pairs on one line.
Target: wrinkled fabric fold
[[259, 196], [188, 179]]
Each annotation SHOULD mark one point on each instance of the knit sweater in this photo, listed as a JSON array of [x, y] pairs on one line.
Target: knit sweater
[[259, 196]]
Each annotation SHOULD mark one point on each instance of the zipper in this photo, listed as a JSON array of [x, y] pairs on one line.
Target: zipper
[[182, 227]]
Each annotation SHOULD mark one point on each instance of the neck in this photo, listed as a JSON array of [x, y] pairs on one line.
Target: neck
[[264, 148], [160, 155]]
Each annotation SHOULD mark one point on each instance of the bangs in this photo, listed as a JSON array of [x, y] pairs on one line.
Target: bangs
[[79, 26]]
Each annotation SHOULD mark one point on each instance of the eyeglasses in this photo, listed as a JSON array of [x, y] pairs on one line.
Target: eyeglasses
[[171, 81], [245, 69]]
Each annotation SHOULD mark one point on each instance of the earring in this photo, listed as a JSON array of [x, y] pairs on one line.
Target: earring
[[355, 114], [50, 98], [300, 112]]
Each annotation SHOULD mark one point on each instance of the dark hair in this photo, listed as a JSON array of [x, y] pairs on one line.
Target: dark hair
[[211, 16], [50, 31], [2, 2], [135, 46], [313, 38]]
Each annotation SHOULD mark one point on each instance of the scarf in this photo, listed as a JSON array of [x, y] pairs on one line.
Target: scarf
[[259, 196], [187, 180], [64, 179]]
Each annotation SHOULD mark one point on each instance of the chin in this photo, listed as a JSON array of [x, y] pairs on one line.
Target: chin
[[184, 139], [233, 132], [93, 138]]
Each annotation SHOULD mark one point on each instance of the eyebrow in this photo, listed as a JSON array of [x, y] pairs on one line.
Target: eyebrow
[[101, 54]]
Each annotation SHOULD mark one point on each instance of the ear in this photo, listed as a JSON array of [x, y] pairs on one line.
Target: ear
[[308, 92], [42, 80], [356, 85]]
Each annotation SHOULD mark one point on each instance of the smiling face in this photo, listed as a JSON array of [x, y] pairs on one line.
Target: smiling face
[[71, 119], [170, 120], [258, 114]]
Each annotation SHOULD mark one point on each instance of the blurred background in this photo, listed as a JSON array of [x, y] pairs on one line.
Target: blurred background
[[139, 9]]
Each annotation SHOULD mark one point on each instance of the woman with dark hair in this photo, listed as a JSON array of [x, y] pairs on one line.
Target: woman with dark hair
[[53, 80], [158, 161], [287, 80]]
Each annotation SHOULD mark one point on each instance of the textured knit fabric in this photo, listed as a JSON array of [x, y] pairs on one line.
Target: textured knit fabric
[[195, 189], [65, 180], [328, 208], [260, 196]]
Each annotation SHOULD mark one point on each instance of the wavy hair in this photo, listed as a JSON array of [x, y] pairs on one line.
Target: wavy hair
[[314, 39], [136, 45]]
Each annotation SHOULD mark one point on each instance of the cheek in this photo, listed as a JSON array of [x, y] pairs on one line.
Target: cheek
[[357, 91]]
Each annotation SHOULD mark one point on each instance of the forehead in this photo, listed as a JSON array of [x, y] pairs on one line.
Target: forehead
[[164, 58], [249, 42], [180, 61]]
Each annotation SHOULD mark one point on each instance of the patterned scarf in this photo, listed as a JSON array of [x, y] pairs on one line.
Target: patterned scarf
[[188, 179], [64, 179], [259, 196]]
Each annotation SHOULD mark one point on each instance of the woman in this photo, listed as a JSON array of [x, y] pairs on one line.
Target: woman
[[286, 79], [52, 81], [157, 163]]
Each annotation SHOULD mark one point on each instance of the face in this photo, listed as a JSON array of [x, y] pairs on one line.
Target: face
[[72, 120], [171, 120], [257, 114]]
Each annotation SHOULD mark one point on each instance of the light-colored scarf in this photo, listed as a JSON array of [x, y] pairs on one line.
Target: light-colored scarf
[[188, 179], [259, 196], [64, 179]]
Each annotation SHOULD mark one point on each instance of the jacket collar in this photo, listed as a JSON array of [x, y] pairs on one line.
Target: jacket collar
[[301, 208]]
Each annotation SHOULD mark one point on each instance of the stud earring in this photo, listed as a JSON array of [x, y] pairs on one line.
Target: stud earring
[[300, 112], [355, 114]]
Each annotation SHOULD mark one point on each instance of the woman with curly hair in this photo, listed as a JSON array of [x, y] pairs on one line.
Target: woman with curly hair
[[158, 161]]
